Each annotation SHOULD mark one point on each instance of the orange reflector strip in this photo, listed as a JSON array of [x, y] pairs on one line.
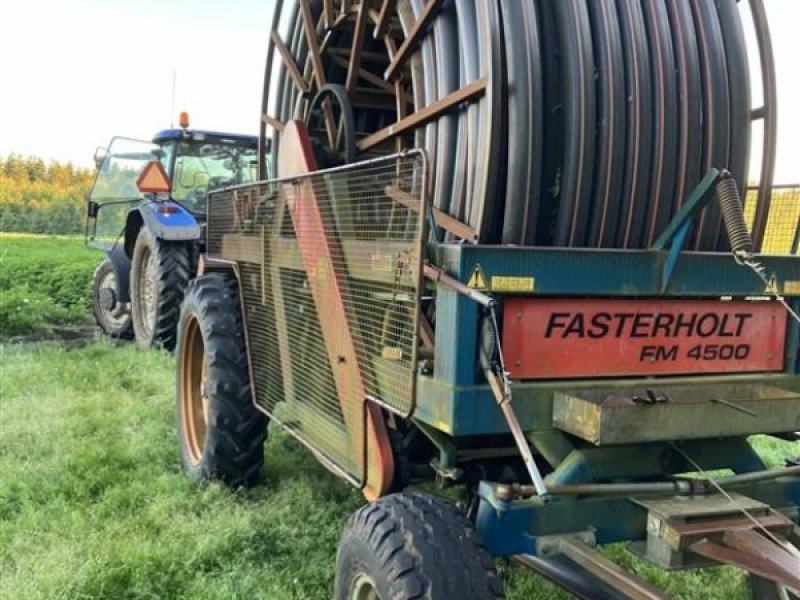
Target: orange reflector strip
[[153, 179]]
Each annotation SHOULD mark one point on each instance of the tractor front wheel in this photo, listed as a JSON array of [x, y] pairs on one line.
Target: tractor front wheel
[[413, 545], [159, 274], [220, 430], [112, 316]]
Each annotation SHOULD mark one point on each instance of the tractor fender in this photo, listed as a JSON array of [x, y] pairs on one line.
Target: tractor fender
[[167, 221], [170, 221], [121, 263]]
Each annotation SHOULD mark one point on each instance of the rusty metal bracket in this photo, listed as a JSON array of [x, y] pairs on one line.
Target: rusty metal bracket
[[755, 553], [585, 559]]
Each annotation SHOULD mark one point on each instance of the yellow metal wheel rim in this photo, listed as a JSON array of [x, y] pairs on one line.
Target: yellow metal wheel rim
[[193, 396]]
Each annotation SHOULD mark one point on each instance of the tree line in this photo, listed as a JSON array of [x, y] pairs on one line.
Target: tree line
[[42, 197]]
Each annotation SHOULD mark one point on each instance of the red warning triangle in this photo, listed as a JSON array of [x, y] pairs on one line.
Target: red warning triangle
[[153, 179]]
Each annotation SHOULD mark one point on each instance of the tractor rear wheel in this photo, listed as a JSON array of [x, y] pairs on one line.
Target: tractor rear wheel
[[159, 274], [413, 545], [112, 316], [220, 430]]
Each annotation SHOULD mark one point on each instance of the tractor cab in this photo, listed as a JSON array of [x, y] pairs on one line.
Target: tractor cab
[[147, 211], [198, 162], [193, 162]]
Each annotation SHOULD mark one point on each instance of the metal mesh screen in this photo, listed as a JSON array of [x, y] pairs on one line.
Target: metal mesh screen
[[330, 267], [783, 220]]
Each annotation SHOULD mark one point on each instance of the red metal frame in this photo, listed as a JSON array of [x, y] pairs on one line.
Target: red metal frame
[[328, 288]]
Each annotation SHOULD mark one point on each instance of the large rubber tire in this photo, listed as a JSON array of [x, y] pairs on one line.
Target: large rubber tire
[[112, 318], [159, 274], [220, 430], [413, 546]]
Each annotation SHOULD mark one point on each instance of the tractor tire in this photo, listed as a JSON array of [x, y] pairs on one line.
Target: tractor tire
[[221, 432], [113, 318], [159, 274], [410, 546]]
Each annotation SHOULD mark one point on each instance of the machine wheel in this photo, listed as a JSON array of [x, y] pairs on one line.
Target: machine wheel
[[159, 273], [221, 432], [113, 317], [413, 545]]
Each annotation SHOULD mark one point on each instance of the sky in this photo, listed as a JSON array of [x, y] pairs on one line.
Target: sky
[[73, 73]]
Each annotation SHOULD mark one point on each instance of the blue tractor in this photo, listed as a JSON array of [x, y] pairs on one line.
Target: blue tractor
[[152, 236]]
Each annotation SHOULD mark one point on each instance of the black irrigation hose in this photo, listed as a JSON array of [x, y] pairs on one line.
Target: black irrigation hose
[[665, 113], [714, 74], [610, 157], [639, 92], [597, 120], [690, 106]]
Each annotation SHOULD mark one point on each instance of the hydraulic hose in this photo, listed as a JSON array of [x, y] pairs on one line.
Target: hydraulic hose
[[587, 124]]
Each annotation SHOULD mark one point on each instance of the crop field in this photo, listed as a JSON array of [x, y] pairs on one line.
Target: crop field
[[45, 282], [93, 504]]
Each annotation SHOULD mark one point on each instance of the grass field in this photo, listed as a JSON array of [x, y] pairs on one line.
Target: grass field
[[93, 504], [44, 282]]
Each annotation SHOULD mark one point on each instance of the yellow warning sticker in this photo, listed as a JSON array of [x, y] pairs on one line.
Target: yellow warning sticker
[[772, 286], [791, 288], [513, 284], [477, 281]]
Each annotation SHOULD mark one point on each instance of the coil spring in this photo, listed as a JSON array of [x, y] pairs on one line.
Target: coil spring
[[733, 214]]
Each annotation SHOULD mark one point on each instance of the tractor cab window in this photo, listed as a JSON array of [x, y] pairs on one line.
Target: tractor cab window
[[203, 166], [121, 167], [115, 191], [164, 154]]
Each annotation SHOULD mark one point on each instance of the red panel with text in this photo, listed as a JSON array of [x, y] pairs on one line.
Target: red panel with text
[[567, 338]]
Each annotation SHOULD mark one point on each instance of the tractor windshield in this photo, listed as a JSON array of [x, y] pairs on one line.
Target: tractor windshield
[[116, 179], [205, 165], [115, 191]]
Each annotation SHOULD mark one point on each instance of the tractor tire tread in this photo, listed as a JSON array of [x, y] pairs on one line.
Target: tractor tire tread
[[173, 273], [426, 549], [236, 429], [125, 331]]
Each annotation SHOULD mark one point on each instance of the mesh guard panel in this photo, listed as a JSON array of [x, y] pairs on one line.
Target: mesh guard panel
[[782, 235], [353, 284]]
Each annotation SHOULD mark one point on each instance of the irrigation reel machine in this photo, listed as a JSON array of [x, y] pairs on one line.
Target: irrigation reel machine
[[506, 253]]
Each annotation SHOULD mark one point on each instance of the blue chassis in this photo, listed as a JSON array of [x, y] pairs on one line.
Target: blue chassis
[[457, 401]]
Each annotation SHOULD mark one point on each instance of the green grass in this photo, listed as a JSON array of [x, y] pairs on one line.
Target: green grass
[[44, 282], [93, 503]]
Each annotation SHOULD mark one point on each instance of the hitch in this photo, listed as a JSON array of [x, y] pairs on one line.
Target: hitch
[[729, 528]]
